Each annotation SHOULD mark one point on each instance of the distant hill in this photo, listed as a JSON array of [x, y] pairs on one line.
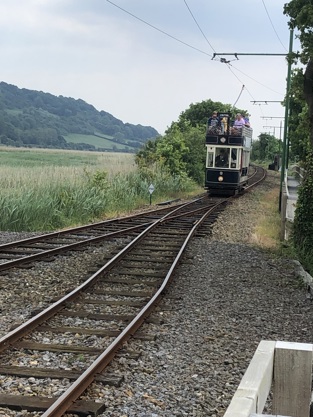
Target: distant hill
[[36, 119]]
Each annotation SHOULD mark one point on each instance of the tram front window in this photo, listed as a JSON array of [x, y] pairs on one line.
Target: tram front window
[[234, 158], [221, 158]]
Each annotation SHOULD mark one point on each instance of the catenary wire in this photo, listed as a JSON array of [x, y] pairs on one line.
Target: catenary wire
[[273, 26], [198, 25], [229, 67], [184, 43], [214, 50], [253, 79], [159, 30]]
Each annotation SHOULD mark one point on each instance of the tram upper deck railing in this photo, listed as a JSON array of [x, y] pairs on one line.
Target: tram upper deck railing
[[247, 132], [232, 137]]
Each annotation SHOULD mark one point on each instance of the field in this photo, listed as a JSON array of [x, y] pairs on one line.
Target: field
[[98, 142], [37, 158], [43, 190]]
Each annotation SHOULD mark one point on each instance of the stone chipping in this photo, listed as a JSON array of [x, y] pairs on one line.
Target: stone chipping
[[227, 296]]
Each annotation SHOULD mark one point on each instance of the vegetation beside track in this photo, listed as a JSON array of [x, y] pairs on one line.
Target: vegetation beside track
[[266, 221], [44, 190]]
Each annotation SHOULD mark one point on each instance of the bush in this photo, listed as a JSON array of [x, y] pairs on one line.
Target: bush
[[303, 223]]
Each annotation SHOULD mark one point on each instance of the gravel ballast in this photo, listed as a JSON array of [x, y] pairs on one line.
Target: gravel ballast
[[226, 297]]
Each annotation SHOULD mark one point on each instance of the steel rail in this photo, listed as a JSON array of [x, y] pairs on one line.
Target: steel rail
[[68, 247], [62, 404], [71, 246], [72, 230], [263, 176], [78, 387], [50, 311]]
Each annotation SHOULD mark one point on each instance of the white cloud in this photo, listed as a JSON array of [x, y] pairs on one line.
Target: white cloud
[[95, 51]]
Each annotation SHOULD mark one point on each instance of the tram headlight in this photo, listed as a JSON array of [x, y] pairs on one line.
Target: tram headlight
[[220, 178]]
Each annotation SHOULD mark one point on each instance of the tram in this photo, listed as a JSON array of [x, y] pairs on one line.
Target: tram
[[227, 157]]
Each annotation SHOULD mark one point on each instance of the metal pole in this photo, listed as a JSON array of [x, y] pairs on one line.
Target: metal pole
[[279, 153], [284, 162]]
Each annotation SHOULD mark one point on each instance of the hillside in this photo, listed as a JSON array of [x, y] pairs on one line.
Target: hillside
[[36, 119]]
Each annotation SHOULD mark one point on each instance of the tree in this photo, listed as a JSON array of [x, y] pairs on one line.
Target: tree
[[171, 151], [195, 157], [198, 114], [265, 148], [298, 117], [146, 157], [301, 18]]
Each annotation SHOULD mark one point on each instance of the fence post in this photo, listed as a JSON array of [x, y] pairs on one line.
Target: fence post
[[292, 379]]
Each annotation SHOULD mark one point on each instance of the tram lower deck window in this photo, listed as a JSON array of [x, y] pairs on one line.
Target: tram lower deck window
[[226, 157]]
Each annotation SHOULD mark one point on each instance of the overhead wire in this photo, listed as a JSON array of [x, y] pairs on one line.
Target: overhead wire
[[198, 25], [253, 79], [273, 26], [211, 45], [242, 89], [190, 46], [159, 30]]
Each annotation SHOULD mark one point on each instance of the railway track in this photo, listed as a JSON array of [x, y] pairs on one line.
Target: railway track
[[47, 246], [256, 175], [96, 318]]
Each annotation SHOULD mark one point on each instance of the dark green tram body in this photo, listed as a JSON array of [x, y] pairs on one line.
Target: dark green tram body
[[227, 158]]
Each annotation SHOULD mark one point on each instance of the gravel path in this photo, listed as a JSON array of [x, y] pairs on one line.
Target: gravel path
[[227, 296]]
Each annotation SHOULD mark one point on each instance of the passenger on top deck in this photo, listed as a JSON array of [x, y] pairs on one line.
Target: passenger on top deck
[[238, 125], [247, 121], [214, 125]]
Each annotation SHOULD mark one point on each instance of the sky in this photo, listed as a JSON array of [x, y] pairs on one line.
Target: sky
[[147, 61]]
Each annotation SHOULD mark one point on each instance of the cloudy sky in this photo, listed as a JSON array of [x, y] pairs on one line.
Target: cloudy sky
[[146, 61]]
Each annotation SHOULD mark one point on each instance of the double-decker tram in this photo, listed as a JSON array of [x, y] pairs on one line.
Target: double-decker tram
[[227, 157]]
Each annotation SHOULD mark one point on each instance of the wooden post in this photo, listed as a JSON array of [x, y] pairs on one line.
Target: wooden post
[[292, 379], [255, 385]]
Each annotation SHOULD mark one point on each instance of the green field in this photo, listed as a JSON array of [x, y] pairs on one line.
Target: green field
[[49, 189], [98, 142], [37, 158]]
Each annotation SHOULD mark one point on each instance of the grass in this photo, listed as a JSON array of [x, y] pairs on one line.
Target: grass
[[268, 227], [267, 220], [41, 158], [44, 190]]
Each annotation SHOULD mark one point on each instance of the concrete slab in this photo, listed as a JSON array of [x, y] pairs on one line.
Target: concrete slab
[[292, 196]]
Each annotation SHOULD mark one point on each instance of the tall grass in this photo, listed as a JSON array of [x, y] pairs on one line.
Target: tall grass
[[45, 197]]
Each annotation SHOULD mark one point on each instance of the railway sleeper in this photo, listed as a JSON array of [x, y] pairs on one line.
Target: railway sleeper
[[80, 407], [25, 372], [46, 347]]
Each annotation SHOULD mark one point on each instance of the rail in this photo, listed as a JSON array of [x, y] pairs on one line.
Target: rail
[[285, 368], [166, 246], [165, 240]]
